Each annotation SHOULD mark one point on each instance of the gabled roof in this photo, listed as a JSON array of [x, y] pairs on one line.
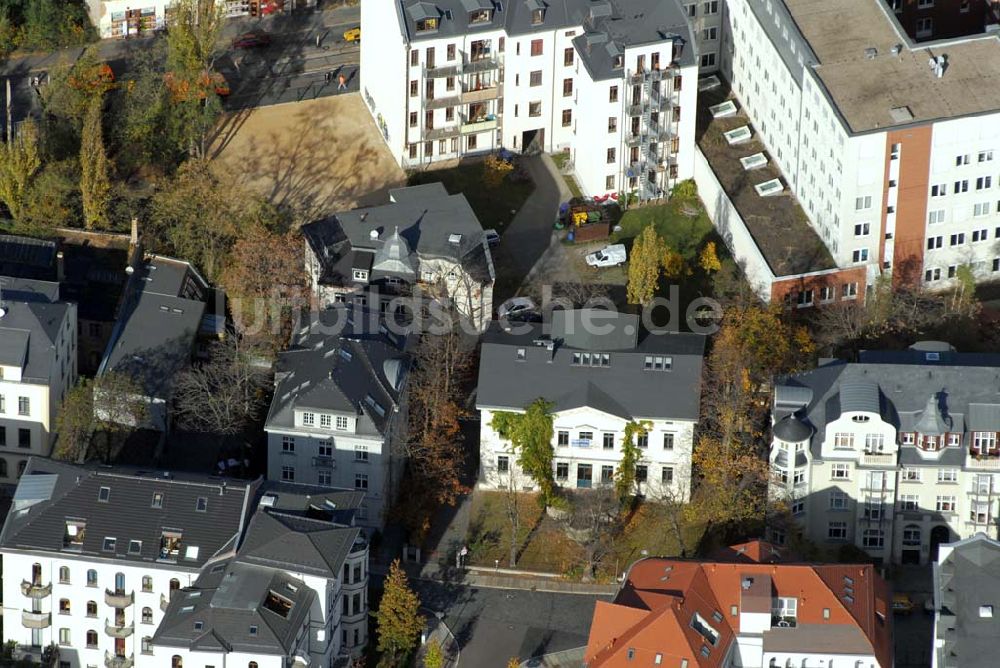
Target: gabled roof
[[663, 602], [966, 578], [29, 329], [294, 542]]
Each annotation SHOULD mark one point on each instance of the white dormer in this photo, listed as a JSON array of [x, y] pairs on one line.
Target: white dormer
[[859, 430]]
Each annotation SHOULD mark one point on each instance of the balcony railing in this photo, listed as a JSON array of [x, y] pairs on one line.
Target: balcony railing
[[325, 462], [116, 631], [449, 99], [115, 661], [986, 463], [442, 133], [32, 590], [877, 459], [442, 71], [118, 599], [481, 95], [164, 603], [481, 64], [479, 126], [36, 620]]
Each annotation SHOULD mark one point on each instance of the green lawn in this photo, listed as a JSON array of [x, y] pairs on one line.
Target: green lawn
[[495, 207], [649, 529], [561, 159]]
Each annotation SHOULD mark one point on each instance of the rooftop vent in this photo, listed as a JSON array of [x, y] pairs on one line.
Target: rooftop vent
[[455, 239], [268, 500], [373, 235], [871, 53], [897, 49], [746, 583], [738, 135], [769, 188], [727, 108], [708, 83], [939, 65], [755, 161], [901, 114]]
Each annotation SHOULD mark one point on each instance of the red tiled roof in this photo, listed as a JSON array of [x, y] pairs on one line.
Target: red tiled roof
[[658, 603]]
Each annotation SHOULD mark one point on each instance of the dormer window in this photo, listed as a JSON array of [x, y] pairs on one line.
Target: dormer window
[[360, 275], [908, 438], [860, 418], [76, 531], [427, 25], [170, 544], [954, 439], [480, 16], [619, 61], [537, 16]]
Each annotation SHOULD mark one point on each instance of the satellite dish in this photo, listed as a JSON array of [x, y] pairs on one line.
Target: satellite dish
[[130, 270]]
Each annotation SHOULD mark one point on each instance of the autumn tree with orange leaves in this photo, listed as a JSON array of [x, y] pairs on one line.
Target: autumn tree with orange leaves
[[442, 364]]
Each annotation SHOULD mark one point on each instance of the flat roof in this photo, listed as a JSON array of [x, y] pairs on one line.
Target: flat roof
[[867, 90]]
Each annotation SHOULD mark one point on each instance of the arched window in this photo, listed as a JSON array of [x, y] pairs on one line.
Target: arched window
[[64, 608], [119, 583], [64, 574], [3, 468], [773, 663], [176, 661], [91, 578], [252, 664], [147, 615], [147, 645], [175, 584], [36, 574], [147, 583], [91, 638], [91, 608]]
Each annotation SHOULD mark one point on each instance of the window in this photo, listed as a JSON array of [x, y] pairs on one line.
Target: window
[[341, 423], [709, 34], [64, 575], [503, 464], [860, 255], [692, 10], [610, 156], [935, 217], [360, 481], [23, 406], [609, 182], [64, 606], [849, 290], [562, 471], [668, 441], [567, 118], [826, 293], [91, 608], [932, 275], [585, 438], [840, 471], [874, 443], [157, 501], [91, 639], [863, 202], [836, 530], [641, 473], [567, 87], [324, 477], [658, 363], [562, 438], [934, 242], [961, 186], [91, 578], [63, 636], [945, 504], [667, 475], [414, 88], [147, 615], [843, 440], [109, 544], [838, 500], [609, 441], [873, 539], [925, 27], [612, 125], [308, 419], [135, 547], [288, 473], [984, 182], [288, 444], [909, 502], [708, 59], [607, 474], [939, 190], [535, 109], [450, 51], [568, 56], [959, 159], [613, 94], [23, 441], [711, 7], [980, 235], [981, 209], [947, 475], [536, 47], [958, 239], [535, 78], [147, 583]]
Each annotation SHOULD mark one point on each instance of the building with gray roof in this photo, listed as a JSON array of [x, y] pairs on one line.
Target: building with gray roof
[[339, 408], [423, 241], [192, 566], [598, 371], [966, 603], [38, 365], [896, 453]]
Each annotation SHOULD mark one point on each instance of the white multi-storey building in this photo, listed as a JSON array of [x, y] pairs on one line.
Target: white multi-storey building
[[127, 18], [611, 82], [100, 563], [890, 155], [37, 368], [896, 454], [338, 415], [600, 373]]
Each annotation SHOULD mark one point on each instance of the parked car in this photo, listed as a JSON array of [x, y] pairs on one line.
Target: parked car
[[353, 35], [609, 256], [902, 604], [516, 307], [252, 40], [492, 237]]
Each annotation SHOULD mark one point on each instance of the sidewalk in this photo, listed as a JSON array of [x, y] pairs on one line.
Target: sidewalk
[[437, 631], [505, 579]]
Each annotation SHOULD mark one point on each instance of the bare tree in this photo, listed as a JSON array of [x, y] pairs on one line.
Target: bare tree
[[121, 406], [674, 498], [223, 395], [594, 524], [511, 483]]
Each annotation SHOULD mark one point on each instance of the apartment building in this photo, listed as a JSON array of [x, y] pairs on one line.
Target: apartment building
[[124, 18], [124, 568], [896, 453], [338, 416], [423, 244], [37, 367], [889, 144], [608, 81], [601, 372], [738, 611], [966, 595]]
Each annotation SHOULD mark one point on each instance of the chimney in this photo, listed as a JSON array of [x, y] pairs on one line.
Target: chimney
[[60, 267], [134, 239]]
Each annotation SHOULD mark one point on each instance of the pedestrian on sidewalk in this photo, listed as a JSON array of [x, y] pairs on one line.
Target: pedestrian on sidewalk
[[319, 38], [327, 76], [341, 83]]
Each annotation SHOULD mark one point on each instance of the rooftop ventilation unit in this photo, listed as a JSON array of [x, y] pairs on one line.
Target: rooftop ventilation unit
[[939, 65], [455, 239], [373, 235], [755, 161], [897, 49], [769, 188], [727, 108], [738, 135], [871, 53], [708, 83], [268, 500]]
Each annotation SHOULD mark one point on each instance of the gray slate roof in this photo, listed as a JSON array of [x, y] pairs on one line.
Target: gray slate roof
[[340, 357], [965, 389], [38, 523], [968, 578], [159, 320], [624, 388], [25, 257], [425, 217], [303, 544], [28, 332]]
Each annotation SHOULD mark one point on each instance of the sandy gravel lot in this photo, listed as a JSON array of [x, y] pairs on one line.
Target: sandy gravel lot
[[313, 157]]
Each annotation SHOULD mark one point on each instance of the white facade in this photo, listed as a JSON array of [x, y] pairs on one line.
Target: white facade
[[127, 18], [587, 449], [441, 98], [29, 404]]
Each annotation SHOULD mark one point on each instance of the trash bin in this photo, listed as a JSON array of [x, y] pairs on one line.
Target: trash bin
[[570, 235]]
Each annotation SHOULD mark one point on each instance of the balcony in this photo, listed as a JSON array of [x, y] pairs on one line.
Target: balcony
[[441, 133], [115, 661], [637, 109], [164, 603], [449, 99], [989, 462], [116, 631], [324, 462], [35, 590], [36, 620], [480, 64], [118, 599], [481, 95], [442, 71], [877, 459], [478, 126]]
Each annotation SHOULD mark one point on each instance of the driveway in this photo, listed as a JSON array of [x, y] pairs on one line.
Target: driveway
[[493, 625], [528, 236]]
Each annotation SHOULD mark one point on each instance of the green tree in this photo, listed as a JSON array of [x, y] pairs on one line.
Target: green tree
[[651, 258], [140, 107], [530, 434], [95, 182], [19, 162], [193, 37], [631, 456], [708, 260], [433, 655], [120, 408], [75, 423], [52, 199], [398, 617]]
